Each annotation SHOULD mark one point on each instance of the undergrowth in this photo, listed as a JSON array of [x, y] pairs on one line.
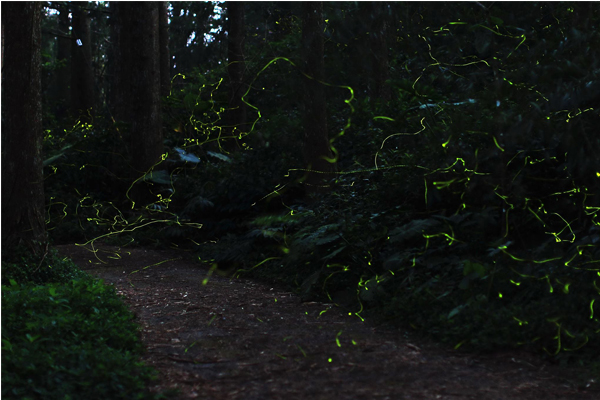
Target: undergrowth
[[66, 335], [466, 207]]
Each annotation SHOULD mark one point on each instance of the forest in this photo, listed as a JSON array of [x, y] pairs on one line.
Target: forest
[[431, 166]]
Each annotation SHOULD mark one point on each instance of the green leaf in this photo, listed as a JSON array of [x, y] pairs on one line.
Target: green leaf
[[455, 311], [6, 345], [31, 338], [161, 177], [412, 230], [497, 21], [56, 156], [328, 239], [187, 157], [220, 156], [334, 253]]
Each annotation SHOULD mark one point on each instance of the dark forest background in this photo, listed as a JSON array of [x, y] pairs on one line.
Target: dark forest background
[[433, 165]]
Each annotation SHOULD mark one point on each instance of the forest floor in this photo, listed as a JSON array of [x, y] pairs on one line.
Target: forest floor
[[243, 339]]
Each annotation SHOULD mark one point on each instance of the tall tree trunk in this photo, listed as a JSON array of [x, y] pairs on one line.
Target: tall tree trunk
[[317, 149], [120, 63], [235, 68], [22, 176], [63, 75], [119, 84], [379, 89], [145, 143], [165, 55], [82, 72]]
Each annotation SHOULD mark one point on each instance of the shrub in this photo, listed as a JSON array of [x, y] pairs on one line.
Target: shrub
[[66, 335]]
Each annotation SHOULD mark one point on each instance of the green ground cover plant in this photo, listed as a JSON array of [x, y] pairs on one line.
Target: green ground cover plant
[[66, 335]]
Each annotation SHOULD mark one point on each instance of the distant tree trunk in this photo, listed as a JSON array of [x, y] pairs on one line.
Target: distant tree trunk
[[2, 56], [120, 63], [63, 75], [119, 86], [317, 148], [22, 176], [165, 56], [235, 68], [82, 72], [145, 142], [379, 89]]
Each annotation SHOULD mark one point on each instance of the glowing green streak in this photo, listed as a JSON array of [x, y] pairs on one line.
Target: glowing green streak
[[447, 142], [189, 347], [557, 337], [239, 271], [358, 315], [459, 344], [549, 284], [561, 231], [301, 350], [209, 274], [425, 179], [503, 249], [384, 118], [155, 264], [443, 184], [592, 308], [566, 286], [451, 239], [536, 216], [337, 339], [396, 134], [91, 241], [578, 347], [348, 101], [515, 49], [521, 323], [496, 143]]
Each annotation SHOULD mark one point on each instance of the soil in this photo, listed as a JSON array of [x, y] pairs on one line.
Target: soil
[[212, 337]]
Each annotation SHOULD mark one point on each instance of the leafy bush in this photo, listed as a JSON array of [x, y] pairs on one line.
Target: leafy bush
[[67, 336], [25, 268]]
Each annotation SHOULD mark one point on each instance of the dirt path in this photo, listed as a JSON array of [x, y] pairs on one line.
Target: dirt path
[[239, 339]]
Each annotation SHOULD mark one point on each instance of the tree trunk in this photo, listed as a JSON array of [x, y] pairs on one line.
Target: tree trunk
[[63, 75], [165, 57], [82, 72], [235, 68], [120, 62], [379, 90], [145, 142], [317, 149], [22, 176]]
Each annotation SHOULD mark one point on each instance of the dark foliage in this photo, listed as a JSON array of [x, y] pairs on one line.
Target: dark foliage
[[465, 207], [65, 335]]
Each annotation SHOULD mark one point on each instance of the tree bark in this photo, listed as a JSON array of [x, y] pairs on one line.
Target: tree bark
[[145, 142], [379, 89], [121, 63], [82, 72], [165, 55], [63, 75], [235, 68], [317, 148], [23, 220]]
